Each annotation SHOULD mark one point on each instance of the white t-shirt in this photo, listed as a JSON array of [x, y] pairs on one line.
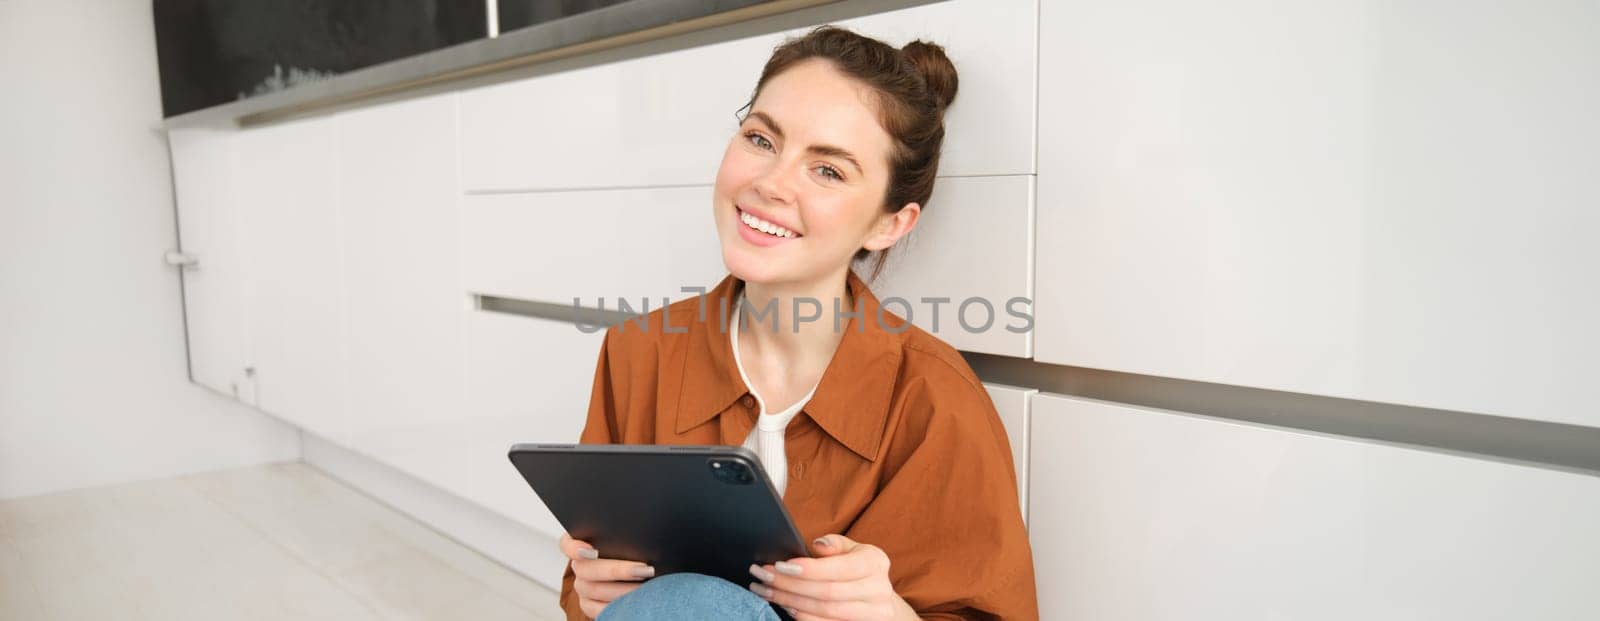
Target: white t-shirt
[[766, 439]]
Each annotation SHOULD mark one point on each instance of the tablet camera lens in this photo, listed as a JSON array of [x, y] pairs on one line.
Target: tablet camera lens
[[731, 472]]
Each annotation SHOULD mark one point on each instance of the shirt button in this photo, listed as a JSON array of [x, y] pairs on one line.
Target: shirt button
[[748, 401]]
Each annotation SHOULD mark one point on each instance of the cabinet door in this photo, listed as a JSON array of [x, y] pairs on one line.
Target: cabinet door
[[528, 380], [1012, 404], [1149, 514], [401, 265], [213, 289], [1388, 201], [285, 190]]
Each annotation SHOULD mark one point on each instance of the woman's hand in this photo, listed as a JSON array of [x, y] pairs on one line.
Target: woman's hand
[[600, 581], [848, 581]]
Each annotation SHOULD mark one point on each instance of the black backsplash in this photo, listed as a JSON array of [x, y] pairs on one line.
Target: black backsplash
[[216, 51], [516, 14]]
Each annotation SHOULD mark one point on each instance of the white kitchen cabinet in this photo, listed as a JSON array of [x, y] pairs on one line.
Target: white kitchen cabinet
[[554, 246], [285, 188], [1012, 404], [1150, 514], [666, 119], [213, 288], [974, 247], [401, 266], [1379, 201], [363, 331]]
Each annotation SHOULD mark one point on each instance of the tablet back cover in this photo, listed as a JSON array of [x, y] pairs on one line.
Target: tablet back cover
[[664, 505]]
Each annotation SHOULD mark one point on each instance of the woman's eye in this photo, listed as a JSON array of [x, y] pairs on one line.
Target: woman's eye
[[761, 141]]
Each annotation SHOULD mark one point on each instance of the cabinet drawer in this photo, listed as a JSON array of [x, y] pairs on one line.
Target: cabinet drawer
[[666, 119], [1150, 514], [1310, 219], [554, 246], [973, 246]]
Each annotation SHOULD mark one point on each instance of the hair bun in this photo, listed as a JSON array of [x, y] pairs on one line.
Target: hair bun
[[936, 69]]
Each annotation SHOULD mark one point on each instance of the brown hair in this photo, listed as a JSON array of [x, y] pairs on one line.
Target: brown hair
[[914, 85]]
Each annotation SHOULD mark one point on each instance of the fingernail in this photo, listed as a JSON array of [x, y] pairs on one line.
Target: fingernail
[[787, 568], [821, 541], [764, 575], [643, 572], [792, 612], [589, 553], [761, 589]]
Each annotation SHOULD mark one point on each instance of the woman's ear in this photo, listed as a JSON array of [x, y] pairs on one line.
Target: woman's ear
[[890, 227]]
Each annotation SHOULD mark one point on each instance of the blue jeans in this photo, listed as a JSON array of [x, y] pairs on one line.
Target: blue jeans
[[689, 596]]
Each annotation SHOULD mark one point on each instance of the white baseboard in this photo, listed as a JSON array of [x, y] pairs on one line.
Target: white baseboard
[[524, 550]]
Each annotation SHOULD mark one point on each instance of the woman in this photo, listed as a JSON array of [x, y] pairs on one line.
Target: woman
[[887, 450]]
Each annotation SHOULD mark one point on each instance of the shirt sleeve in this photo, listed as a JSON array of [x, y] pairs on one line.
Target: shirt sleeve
[[599, 428], [948, 515]]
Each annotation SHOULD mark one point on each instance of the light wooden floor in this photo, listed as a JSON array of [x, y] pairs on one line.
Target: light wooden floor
[[281, 541]]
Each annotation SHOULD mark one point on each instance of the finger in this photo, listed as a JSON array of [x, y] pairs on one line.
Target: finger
[[609, 570], [806, 616], [844, 609], [576, 549], [591, 608], [603, 591], [832, 544], [832, 590], [862, 560]]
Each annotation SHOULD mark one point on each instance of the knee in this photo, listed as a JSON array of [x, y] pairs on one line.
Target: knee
[[687, 583], [690, 585], [687, 596]]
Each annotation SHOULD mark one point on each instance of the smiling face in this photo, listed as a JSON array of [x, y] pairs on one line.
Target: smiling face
[[802, 182]]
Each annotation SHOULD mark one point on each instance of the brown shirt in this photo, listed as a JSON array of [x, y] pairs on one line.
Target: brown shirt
[[900, 446]]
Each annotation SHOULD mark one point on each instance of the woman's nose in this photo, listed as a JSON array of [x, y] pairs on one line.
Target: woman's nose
[[774, 185]]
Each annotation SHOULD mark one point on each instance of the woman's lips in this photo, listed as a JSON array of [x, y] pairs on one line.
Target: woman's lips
[[755, 237]]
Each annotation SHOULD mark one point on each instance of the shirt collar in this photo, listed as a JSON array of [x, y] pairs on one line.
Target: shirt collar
[[851, 402]]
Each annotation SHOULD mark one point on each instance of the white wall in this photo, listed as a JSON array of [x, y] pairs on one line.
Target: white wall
[[93, 386]]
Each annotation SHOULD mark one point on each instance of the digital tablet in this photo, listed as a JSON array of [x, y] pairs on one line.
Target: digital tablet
[[702, 509]]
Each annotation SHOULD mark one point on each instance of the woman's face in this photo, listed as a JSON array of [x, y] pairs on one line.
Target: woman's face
[[810, 158]]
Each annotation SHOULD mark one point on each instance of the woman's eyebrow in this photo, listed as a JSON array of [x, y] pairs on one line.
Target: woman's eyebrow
[[819, 149]]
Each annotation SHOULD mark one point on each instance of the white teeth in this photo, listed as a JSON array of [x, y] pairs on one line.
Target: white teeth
[[764, 226]]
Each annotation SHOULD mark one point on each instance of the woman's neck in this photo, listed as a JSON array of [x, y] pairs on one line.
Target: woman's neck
[[796, 337]]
